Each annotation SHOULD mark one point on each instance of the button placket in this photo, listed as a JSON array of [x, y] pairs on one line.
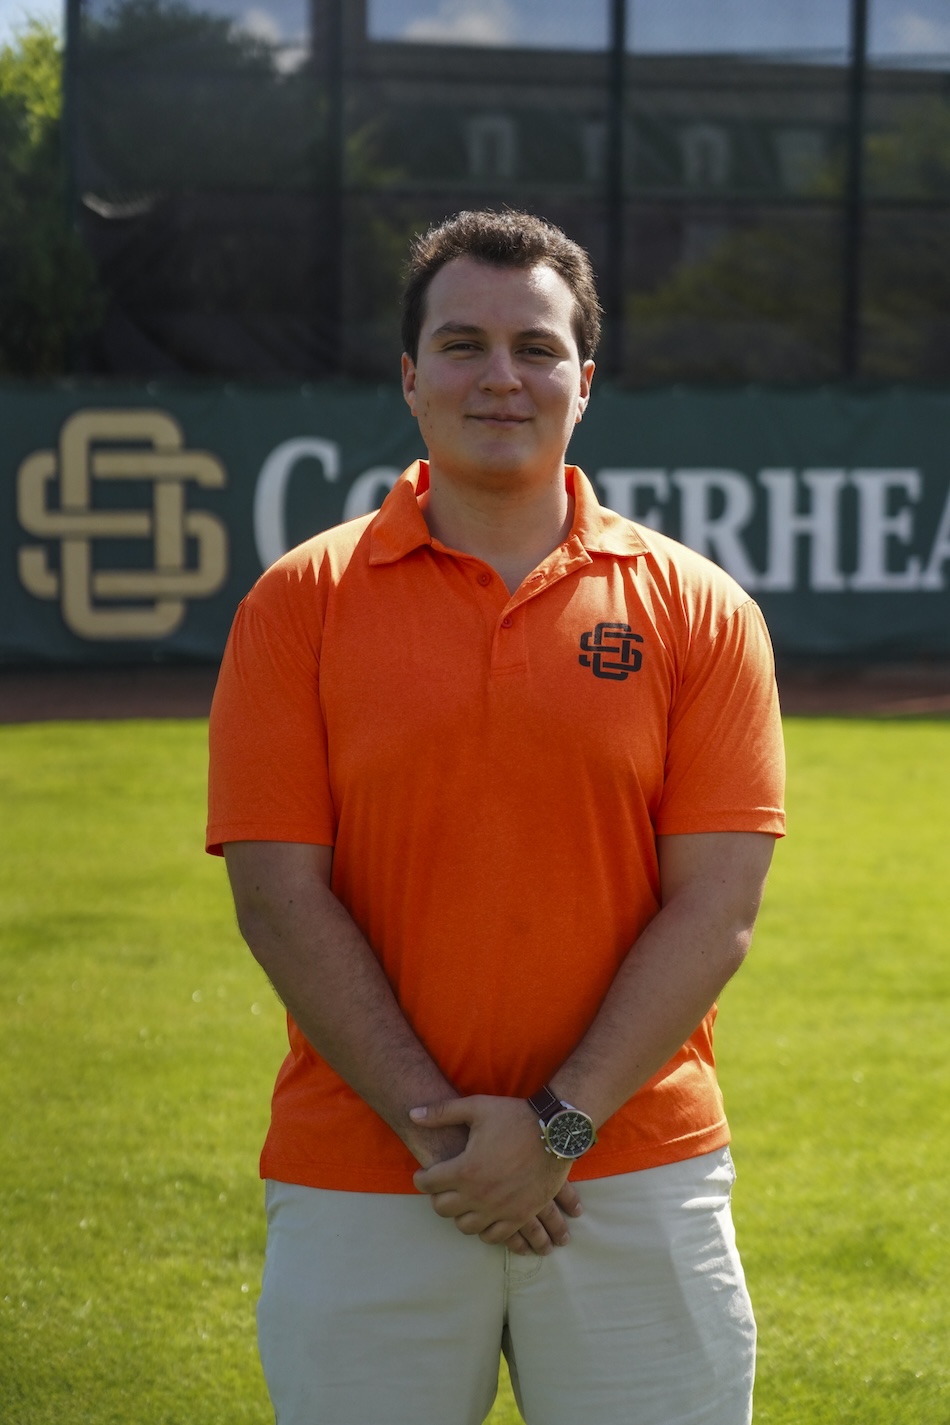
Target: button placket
[[552, 573], [508, 644]]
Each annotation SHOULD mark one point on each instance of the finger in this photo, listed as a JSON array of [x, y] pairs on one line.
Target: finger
[[568, 1200], [471, 1223], [537, 1237], [553, 1224], [552, 1220], [425, 1182], [500, 1231], [441, 1177], [447, 1204], [531, 1235], [517, 1244], [448, 1111]]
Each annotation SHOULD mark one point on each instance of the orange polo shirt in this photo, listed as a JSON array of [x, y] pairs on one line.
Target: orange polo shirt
[[492, 770]]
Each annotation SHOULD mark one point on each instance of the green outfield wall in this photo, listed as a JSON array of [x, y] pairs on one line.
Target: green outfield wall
[[136, 517]]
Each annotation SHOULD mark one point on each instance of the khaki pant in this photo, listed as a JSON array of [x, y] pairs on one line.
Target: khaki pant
[[374, 1311]]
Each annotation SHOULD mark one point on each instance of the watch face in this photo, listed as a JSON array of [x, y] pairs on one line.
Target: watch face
[[570, 1133]]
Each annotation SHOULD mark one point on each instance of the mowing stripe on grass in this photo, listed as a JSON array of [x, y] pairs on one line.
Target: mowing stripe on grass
[[140, 1043]]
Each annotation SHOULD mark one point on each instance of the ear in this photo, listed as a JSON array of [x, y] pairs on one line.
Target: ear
[[409, 381], [587, 376]]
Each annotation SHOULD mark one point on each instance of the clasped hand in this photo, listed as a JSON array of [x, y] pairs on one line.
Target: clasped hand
[[503, 1186]]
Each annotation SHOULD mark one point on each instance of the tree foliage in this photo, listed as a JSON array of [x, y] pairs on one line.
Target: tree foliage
[[176, 98], [47, 285], [765, 303], [209, 162]]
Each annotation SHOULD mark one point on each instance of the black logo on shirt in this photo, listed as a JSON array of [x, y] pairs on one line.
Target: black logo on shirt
[[609, 651]]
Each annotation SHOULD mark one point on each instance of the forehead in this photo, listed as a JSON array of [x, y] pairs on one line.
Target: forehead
[[483, 294]]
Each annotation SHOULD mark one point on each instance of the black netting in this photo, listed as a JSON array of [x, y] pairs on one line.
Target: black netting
[[247, 181]]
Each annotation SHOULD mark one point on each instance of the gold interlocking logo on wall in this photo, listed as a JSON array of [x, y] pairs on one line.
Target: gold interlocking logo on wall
[[102, 603]]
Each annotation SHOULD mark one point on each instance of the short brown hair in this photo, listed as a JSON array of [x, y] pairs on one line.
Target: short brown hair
[[507, 239]]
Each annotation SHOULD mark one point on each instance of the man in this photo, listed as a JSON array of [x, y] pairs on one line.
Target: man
[[497, 775]]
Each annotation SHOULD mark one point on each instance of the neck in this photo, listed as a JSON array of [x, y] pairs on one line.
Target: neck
[[513, 530]]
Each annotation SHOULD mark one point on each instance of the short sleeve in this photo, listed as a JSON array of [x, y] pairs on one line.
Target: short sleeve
[[268, 777], [725, 768]]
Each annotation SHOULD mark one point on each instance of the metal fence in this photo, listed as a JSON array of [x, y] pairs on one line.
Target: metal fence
[[764, 187]]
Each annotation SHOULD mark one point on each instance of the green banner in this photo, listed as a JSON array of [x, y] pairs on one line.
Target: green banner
[[136, 517]]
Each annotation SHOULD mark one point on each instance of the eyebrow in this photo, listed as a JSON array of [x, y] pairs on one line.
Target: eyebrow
[[469, 329]]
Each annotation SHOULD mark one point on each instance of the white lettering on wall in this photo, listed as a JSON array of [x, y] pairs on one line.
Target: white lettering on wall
[[717, 535], [270, 494], [876, 528], [820, 525], [932, 577], [368, 490], [717, 506], [716, 509], [622, 485]]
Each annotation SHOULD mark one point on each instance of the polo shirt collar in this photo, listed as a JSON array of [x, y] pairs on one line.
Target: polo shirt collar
[[599, 530], [400, 526]]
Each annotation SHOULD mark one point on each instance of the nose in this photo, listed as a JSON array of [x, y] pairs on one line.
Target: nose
[[500, 372]]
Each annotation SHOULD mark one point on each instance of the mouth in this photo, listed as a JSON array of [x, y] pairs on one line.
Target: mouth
[[501, 419]]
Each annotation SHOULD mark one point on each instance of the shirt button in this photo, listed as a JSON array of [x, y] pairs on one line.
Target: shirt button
[[484, 579], [506, 621]]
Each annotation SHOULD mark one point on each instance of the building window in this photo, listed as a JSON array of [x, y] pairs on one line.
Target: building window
[[706, 156], [801, 154], [594, 148], [492, 146]]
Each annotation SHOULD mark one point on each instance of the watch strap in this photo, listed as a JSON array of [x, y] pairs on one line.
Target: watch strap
[[545, 1103]]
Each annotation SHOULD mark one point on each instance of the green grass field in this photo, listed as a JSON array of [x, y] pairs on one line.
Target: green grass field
[[139, 1044]]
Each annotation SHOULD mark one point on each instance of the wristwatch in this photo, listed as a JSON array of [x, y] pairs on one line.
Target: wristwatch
[[565, 1130]]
